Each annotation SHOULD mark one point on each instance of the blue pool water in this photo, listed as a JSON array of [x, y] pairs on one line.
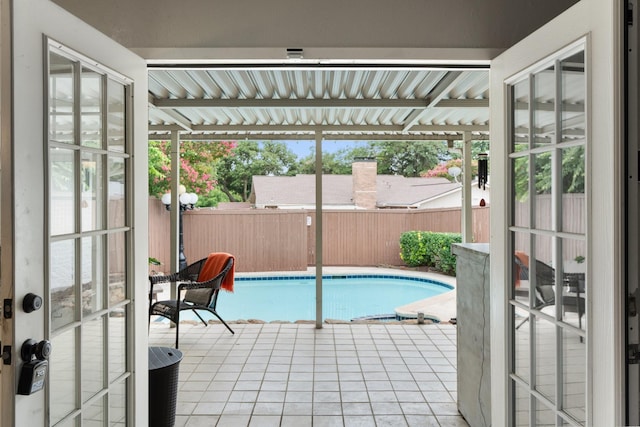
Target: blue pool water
[[344, 297]]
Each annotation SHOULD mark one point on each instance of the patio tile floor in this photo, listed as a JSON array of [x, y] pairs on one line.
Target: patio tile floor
[[297, 375]]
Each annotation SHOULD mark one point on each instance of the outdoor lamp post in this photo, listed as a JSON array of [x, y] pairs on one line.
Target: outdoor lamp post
[[187, 203]]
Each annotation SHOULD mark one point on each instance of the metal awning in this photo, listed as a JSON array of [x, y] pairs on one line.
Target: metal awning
[[355, 103]]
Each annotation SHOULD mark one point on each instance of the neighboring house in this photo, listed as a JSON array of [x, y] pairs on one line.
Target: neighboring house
[[362, 190]]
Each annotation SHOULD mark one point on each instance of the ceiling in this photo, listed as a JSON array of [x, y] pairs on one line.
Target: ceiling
[[289, 103]]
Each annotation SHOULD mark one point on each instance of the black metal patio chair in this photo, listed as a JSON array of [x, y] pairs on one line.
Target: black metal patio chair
[[191, 295]]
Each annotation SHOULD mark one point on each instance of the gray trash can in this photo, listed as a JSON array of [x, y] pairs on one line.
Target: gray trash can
[[163, 385]]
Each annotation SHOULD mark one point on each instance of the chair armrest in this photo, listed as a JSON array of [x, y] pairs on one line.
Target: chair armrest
[[163, 278], [186, 286]]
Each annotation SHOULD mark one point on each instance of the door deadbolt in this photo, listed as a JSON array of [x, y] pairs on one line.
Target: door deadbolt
[[31, 302]]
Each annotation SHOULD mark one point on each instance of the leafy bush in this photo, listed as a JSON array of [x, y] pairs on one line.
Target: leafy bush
[[413, 249], [427, 248]]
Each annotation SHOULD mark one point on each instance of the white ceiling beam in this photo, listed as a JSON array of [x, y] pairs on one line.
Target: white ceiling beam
[[347, 129], [179, 119], [310, 136], [463, 103], [439, 91], [314, 103], [288, 103]]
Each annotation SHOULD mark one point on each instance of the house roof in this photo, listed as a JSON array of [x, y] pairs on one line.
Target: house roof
[[337, 190]]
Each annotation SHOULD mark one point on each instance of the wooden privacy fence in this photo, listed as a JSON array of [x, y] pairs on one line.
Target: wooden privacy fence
[[284, 240]]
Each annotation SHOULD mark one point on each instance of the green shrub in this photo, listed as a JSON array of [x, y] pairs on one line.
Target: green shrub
[[427, 248], [413, 248]]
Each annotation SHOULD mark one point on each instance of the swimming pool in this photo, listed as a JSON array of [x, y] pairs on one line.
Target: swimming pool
[[291, 298]]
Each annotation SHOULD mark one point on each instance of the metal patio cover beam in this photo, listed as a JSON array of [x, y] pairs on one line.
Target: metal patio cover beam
[[325, 128], [164, 104], [439, 91]]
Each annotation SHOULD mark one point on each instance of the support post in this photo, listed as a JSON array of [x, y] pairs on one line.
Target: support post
[[467, 213], [175, 206], [318, 230]]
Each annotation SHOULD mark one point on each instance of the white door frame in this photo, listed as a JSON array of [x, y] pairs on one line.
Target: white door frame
[[23, 179], [601, 23]]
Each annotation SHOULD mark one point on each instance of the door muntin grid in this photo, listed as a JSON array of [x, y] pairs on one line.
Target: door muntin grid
[[548, 242], [89, 309]]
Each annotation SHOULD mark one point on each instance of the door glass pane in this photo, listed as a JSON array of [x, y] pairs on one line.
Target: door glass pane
[[545, 355], [521, 282], [92, 274], [116, 116], [542, 275], [93, 415], [117, 290], [92, 357], [573, 97], [62, 374], [574, 375], [520, 179], [62, 193], [118, 404], [62, 283], [521, 406], [522, 346], [91, 109], [574, 203], [545, 417], [69, 422], [521, 124], [61, 99], [116, 200], [542, 185], [92, 191], [117, 346], [544, 122], [574, 289]]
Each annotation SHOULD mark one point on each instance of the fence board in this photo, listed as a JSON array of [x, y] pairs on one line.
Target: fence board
[[281, 240]]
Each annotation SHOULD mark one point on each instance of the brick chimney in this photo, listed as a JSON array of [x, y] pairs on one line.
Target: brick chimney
[[364, 172]]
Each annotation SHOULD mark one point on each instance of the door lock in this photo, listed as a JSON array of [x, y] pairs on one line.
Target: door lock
[[34, 371]]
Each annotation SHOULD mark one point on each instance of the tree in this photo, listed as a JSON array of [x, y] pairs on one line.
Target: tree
[[338, 163], [197, 165], [442, 169], [250, 158], [408, 158], [573, 172], [454, 158]]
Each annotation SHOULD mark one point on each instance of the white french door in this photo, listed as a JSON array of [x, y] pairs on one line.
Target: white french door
[[79, 127], [558, 348]]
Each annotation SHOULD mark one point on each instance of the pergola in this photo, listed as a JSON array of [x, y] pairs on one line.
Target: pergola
[[304, 101]]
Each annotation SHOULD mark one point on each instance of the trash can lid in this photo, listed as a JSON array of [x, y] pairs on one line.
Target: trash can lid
[[161, 357]]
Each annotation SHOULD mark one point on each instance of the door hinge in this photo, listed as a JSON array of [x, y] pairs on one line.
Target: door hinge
[[633, 354], [7, 310], [6, 354], [630, 15], [632, 309]]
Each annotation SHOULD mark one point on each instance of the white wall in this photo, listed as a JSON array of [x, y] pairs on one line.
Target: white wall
[[390, 24]]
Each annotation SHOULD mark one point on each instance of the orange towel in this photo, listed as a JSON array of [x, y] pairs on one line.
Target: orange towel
[[213, 265]]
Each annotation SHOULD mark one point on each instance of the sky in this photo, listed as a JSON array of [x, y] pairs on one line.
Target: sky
[[304, 148]]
